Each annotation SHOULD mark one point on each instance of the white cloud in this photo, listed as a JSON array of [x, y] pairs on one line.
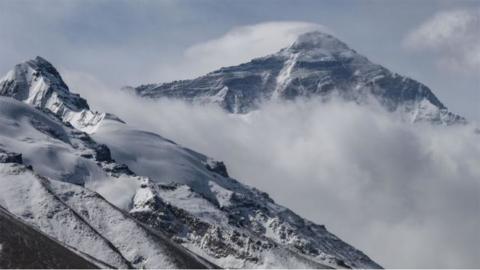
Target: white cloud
[[238, 45], [453, 35], [407, 195], [243, 43]]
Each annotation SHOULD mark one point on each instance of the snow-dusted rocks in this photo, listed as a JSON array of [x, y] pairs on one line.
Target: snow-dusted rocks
[[84, 220], [8, 157], [29, 197], [315, 65], [192, 197], [38, 83]]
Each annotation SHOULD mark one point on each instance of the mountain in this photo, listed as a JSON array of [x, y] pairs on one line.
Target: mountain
[[38, 83], [131, 198], [315, 65], [53, 178], [229, 223]]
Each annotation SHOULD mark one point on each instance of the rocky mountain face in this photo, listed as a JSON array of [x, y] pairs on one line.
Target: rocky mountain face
[[315, 65], [120, 197]]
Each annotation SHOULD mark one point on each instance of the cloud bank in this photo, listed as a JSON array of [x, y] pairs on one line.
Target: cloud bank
[[407, 195], [454, 36]]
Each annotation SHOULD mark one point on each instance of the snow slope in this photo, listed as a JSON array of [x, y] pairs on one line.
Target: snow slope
[[61, 152], [68, 211], [84, 220], [315, 65]]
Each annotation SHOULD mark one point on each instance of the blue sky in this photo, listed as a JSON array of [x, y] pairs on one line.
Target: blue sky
[[133, 42]]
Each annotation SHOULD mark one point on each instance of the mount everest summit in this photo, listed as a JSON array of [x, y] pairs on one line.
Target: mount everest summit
[[104, 194], [315, 65]]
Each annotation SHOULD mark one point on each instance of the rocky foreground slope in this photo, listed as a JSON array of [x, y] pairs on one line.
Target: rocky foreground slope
[[24, 247], [126, 198]]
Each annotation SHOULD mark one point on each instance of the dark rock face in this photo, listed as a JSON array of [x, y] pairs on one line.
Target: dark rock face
[[217, 167], [102, 153], [237, 89], [7, 157], [21, 246], [118, 169], [316, 64]]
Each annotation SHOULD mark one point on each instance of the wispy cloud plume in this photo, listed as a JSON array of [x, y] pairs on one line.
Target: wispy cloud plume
[[238, 45], [454, 36], [243, 43]]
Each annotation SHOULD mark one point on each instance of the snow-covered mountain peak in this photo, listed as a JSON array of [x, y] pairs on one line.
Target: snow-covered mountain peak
[[315, 65], [317, 40], [37, 82], [34, 81]]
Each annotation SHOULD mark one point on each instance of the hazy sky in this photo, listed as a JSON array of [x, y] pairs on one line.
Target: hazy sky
[[134, 42]]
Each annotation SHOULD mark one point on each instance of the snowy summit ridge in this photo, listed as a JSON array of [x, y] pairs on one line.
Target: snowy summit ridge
[[38, 83], [315, 65], [316, 39]]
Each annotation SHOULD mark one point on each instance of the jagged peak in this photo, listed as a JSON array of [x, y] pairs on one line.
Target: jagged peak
[[318, 40], [45, 68], [38, 83], [35, 80], [41, 63], [39, 67]]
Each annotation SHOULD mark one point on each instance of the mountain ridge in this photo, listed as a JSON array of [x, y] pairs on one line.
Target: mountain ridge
[[315, 65]]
